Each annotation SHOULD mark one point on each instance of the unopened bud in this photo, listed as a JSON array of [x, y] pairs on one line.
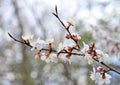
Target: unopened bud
[[76, 37], [69, 25], [101, 69], [68, 36]]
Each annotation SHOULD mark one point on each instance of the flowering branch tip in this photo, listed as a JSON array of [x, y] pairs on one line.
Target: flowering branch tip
[[68, 48]]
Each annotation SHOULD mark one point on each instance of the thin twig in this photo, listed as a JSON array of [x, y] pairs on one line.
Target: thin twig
[[43, 49], [67, 29], [110, 69], [19, 40], [56, 15]]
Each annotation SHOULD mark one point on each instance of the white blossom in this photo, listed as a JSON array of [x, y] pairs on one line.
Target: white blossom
[[77, 36], [39, 44], [85, 48], [51, 58], [101, 55], [105, 80], [94, 75], [68, 43], [100, 77], [27, 37], [64, 45], [60, 47], [89, 59], [87, 56]]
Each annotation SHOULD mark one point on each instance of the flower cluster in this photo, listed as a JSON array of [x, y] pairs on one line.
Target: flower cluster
[[91, 53], [45, 49]]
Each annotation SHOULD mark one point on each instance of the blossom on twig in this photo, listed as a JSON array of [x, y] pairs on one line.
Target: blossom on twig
[[39, 44], [101, 55], [27, 38], [49, 57], [87, 56], [100, 76]]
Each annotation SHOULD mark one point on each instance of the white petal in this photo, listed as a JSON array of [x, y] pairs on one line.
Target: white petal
[[107, 81], [41, 41], [85, 47], [60, 47], [108, 76], [50, 40], [100, 82], [68, 43], [43, 57], [27, 37], [88, 59]]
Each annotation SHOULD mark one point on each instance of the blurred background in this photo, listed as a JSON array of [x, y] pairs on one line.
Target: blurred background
[[94, 20]]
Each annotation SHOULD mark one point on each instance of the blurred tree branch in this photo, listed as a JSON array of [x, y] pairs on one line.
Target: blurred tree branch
[[23, 68]]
